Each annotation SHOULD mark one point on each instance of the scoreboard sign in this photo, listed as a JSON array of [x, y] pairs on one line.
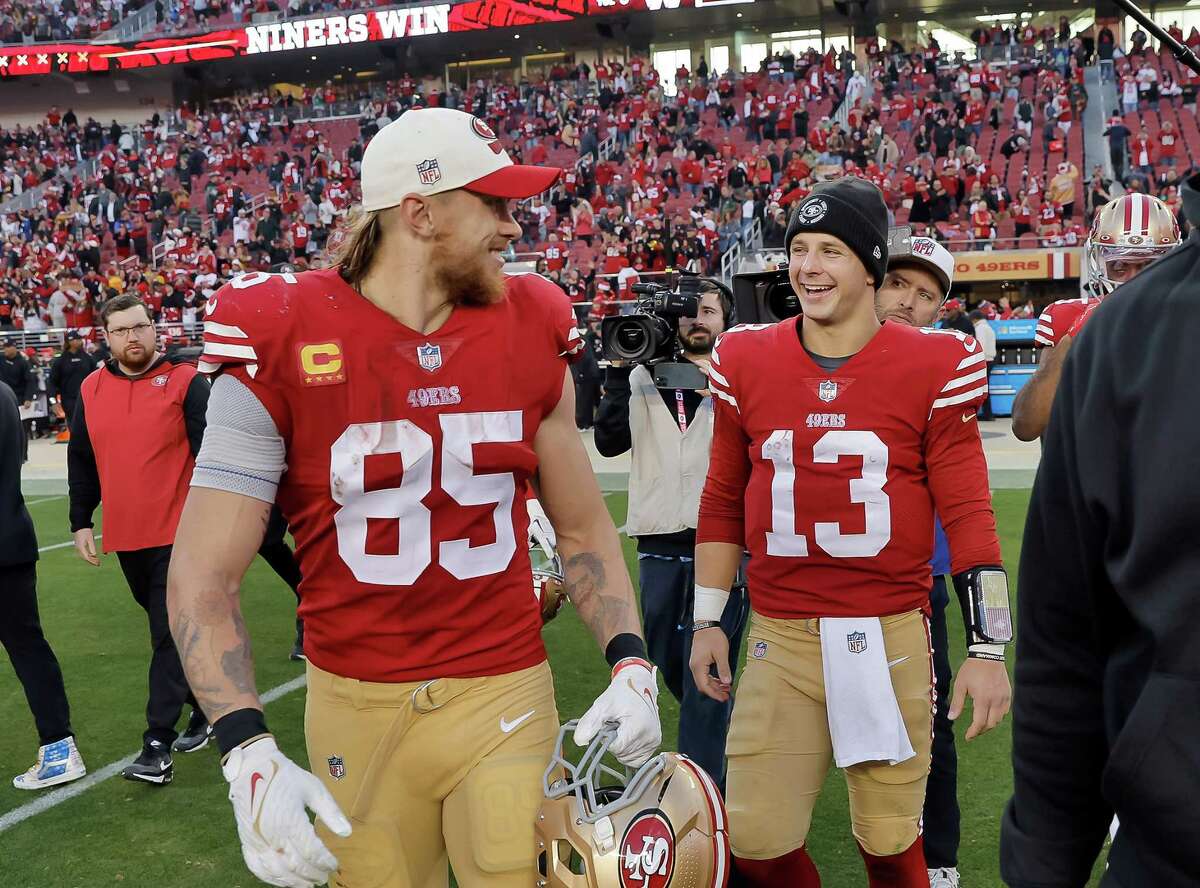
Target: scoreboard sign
[[318, 32]]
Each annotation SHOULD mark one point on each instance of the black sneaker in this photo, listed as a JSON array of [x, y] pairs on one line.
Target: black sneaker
[[298, 648], [153, 765], [195, 735]]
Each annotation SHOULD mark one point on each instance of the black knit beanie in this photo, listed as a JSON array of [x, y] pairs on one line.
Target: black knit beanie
[[852, 210]]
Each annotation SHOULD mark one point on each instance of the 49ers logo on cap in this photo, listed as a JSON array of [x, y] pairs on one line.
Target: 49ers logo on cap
[[647, 851], [485, 132], [813, 211]]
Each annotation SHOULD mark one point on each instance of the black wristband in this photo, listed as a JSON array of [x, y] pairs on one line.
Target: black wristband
[[624, 645], [236, 728]]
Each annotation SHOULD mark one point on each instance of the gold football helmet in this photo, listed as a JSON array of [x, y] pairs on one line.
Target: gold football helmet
[[1127, 235], [663, 826], [547, 567]]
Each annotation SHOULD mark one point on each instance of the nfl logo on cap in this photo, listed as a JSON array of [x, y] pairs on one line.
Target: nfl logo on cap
[[827, 390], [429, 172], [856, 642], [429, 357]]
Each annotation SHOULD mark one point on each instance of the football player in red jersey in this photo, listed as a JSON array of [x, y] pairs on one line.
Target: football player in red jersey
[[396, 406], [835, 439], [1126, 236]]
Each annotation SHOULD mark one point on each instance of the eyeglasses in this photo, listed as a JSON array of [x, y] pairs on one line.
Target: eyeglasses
[[123, 332]]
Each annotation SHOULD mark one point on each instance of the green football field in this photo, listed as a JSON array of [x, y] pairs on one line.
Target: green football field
[[118, 833]]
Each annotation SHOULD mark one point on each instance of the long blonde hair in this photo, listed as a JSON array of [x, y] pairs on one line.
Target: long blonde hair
[[356, 250]]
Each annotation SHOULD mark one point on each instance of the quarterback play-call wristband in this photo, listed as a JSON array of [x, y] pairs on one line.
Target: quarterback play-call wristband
[[236, 728], [710, 604], [624, 646]]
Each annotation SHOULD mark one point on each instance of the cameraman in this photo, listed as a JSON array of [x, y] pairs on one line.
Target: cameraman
[[669, 432]]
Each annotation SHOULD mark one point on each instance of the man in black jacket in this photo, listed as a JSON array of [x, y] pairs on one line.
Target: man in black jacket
[[1107, 711], [20, 626], [67, 373], [17, 374]]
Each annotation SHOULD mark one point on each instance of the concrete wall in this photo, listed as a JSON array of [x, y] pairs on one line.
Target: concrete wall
[[26, 100]]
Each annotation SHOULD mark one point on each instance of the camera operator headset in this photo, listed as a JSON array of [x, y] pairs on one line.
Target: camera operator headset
[[668, 426]]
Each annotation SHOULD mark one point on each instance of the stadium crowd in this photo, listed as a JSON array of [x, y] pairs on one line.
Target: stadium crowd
[[975, 154]]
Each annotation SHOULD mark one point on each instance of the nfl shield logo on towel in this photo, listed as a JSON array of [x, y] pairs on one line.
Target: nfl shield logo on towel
[[856, 642], [429, 356], [337, 768], [827, 390], [429, 172]]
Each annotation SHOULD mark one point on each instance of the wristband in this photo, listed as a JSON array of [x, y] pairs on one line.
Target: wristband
[[710, 604], [236, 728], [706, 624], [632, 661], [986, 652], [624, 646]]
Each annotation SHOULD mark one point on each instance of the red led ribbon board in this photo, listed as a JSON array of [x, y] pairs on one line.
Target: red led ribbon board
[[317, 32]]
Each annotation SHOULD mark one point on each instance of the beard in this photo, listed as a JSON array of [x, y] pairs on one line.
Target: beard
[[138, 361], [697, 342], [474, 280]]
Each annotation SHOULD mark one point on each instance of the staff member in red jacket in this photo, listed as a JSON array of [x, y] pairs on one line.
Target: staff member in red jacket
[[134, 436]]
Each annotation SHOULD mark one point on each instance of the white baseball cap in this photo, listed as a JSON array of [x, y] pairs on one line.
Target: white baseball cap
[[431, 150], [929, 253]]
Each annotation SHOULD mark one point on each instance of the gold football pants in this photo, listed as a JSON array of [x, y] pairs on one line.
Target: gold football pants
[[780, 752], [431, 774]]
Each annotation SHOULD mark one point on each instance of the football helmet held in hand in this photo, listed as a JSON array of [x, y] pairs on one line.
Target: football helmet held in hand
[[661, 826]]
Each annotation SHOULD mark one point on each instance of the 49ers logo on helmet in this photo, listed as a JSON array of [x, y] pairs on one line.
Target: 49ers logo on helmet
[[647, 852]]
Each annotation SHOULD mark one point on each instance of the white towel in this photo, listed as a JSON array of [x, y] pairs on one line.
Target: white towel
[[865, 723]]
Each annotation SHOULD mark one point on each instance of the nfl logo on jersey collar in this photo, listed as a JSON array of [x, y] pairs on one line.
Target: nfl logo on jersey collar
[[429, 357], [827, 390]]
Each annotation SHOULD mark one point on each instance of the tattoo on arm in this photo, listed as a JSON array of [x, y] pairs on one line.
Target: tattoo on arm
[[214, 648], [605, 608]]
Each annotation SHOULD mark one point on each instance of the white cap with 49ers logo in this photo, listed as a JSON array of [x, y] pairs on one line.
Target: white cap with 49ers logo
[[430, 150]]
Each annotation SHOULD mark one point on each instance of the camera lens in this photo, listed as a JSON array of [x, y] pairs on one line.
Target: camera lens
[[631, 339]]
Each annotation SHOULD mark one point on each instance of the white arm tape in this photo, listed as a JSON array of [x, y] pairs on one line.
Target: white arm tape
[[710, 603]]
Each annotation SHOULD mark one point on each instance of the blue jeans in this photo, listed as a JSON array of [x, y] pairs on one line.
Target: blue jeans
[[668, 596]]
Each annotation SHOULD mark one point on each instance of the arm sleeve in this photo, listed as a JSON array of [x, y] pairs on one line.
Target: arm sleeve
[[1054, 826], [31, 386], [722, 502], [954, 458], [54, 379], [195, 403], [242, 451], [83, 478], [612, 419], [1044, 334]]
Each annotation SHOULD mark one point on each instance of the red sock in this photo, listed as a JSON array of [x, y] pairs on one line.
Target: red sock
[[794, 869], [903, 870]]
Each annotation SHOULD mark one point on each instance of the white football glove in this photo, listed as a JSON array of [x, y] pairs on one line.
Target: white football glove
[[541, 531], [270, 793], [631, 700]]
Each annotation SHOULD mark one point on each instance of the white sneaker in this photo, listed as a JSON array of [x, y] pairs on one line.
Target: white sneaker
[[944, 877], [57, 763]]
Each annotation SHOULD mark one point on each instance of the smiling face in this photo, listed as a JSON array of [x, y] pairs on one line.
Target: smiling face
[[828, 277], [474, 232]]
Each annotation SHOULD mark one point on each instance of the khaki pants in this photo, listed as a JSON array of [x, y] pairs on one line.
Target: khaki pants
[[780, 752], [433, 773]]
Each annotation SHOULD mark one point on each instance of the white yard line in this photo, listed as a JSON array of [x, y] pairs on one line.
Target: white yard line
[[46, 499], [57, 796], [64, 545]]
